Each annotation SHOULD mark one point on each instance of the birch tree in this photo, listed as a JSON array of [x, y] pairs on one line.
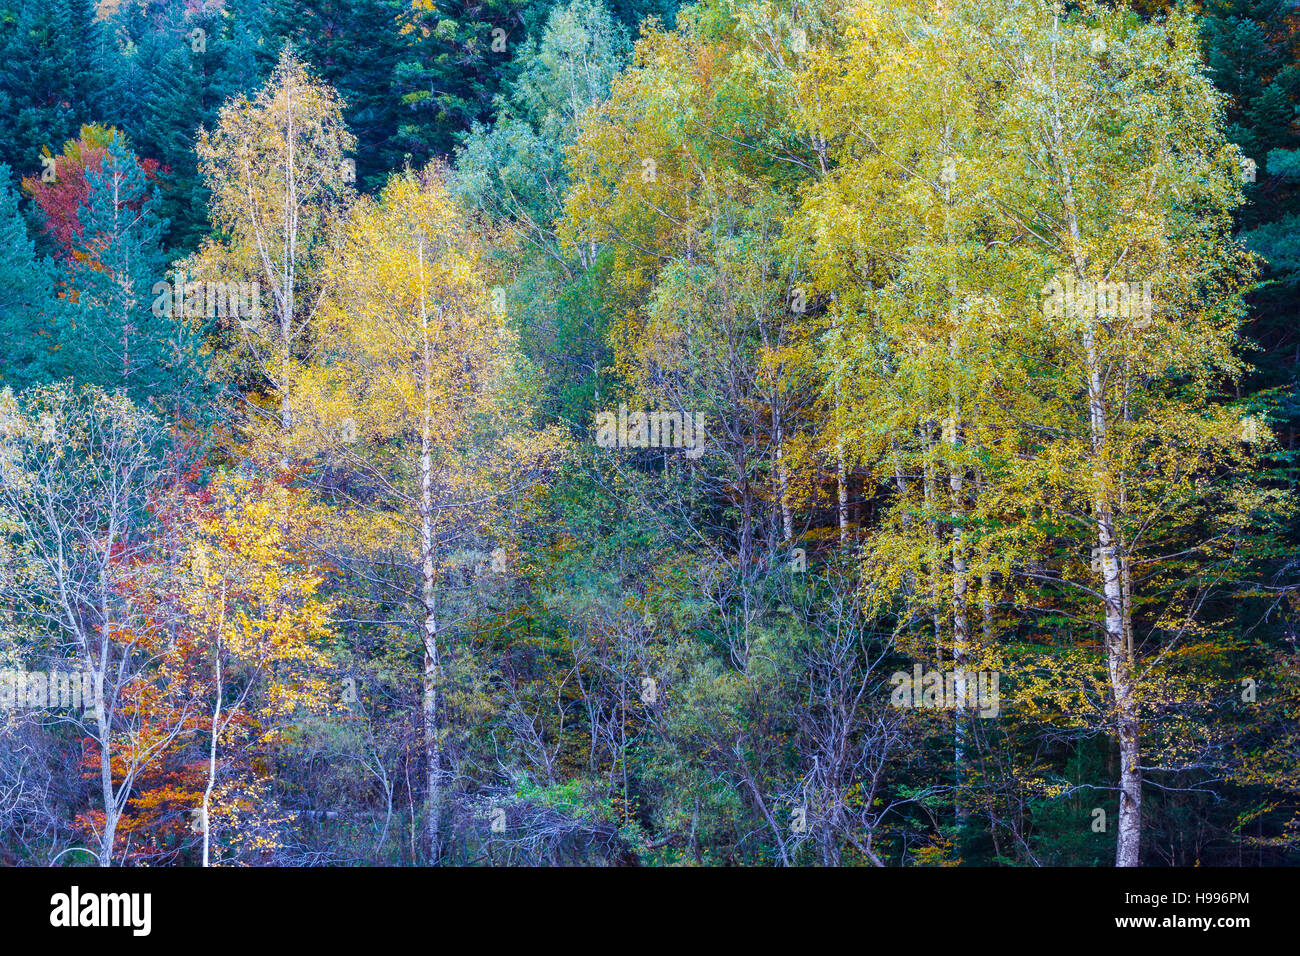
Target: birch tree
[[1091, 152], [77, 472], [417, 399], [281, 182]]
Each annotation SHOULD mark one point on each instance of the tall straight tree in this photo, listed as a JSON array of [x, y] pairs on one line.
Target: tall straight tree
[[280, 180], [28, 298], [78, 472], [415, 398], [115, 335]]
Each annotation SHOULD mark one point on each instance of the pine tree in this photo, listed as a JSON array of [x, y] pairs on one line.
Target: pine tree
[[324, 33], [54, 56], [28, 298], [459, 56], [181, 79], [116, 336], [1253, 52]]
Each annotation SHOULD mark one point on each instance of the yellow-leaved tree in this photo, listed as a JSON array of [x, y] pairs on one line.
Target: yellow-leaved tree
[[1029, 229], [416, 416], [253, 605], [281, 185]]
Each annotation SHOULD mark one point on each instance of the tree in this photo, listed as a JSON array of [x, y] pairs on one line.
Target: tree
[[514, 173], [458, 54], [175, 73], [116, 335], [415, 396], [514, 170], [325, 34], [275, 166], [28, 299], [78, 470], [251, 602], [1119, 430], [61, 196], [53, 78]]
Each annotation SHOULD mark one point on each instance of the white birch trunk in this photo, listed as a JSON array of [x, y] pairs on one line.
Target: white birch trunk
[[432, 728]]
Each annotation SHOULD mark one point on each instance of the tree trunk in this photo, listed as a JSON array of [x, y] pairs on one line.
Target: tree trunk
[[930, 495], [109, 835], [1118, 662], [960, 641], [432, 727], [216, 731], [787, 519]]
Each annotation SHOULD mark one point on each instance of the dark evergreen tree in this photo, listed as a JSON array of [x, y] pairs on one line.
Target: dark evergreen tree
[[116, 336], [185, 68], [1253, 52], [354, 45], [28, 298], [458, 59], [54, 56]]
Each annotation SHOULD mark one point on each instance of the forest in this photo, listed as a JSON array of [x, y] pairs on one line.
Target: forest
[[767, 433]]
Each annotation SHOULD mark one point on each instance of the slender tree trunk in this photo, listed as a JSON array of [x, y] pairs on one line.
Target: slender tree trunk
[[960, 639], [787, 519], [432, 727], [746, 523], [842, 482], [1120, 668], [1118, 662], [930, 494], [432, 738], [841, 474], [212, 762], [109, 834], [288, 251], [216, 727], [986, 577]]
